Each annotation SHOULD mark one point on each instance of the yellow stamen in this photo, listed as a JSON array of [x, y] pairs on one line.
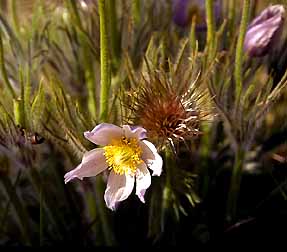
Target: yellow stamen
[[123, 155]]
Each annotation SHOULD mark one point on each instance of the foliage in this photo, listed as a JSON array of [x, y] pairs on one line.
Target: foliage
[[50, 62]]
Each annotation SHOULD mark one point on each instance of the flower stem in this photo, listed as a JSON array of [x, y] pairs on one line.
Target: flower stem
[[239, 50], [103, 212], [104, 101], [114, 33], [41, 218], [136, 11], [3, 69], [18, 112], [105, 62], [74, 9], [192, 34], [50, 210], [231, 19], [14, 13], [209, 22], [234, 186], [18, 206], [167, 192]]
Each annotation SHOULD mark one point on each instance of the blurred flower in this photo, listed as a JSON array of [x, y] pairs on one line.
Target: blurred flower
[[264, 31], [126, 154], [184, 10]]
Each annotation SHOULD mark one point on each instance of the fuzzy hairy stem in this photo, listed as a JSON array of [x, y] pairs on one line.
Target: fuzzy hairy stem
[[239, 49], [105, 62]]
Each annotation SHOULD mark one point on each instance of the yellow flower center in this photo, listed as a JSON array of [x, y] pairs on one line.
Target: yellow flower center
[[123, 155]]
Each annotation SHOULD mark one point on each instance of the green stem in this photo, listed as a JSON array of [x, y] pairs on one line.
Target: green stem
[[50, 209], [14, 16], [26, 97], [18, 206], [3, 69], [105, 63], [41, 217], [136, 11], [231, 19], [103, 212], [192, 35], [18, 112], [210, 24], [235, 186], [114, 33], [92, 104], [73, 6], [167, 192], [239, 50], [89, 77]]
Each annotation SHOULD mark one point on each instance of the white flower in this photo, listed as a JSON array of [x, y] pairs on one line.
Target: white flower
[[126, 154]]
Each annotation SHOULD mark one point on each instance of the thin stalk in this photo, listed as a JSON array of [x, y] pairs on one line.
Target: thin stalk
[[192, 34], [3, 69], [90, 81], [114, 33], [73, 6], [92, 103], [50, 210], [41, 231], [239, 50], [13, 8], [210, 24], [235, 185], [166, 197], [136, 11], [90, 197], [231, 19], [18, 112], [105, 62], [103, 214], [18, 206], [26, 98]]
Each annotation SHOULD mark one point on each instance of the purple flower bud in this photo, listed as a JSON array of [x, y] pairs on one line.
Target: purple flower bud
[[181, 15], [183, 10], [264, 31]]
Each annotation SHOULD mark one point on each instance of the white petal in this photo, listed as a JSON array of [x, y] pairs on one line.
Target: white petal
[[151, 157], [143, 181], [93, 163], [119, 187], [103, 133], [134, 132]]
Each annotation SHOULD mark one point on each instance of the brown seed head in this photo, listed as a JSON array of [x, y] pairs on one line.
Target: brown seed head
[[166, 111]]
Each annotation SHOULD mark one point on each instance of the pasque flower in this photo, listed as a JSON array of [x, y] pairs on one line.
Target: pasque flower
[[126, 154], [181, 12], [170, 111], [184, 10], [264, 31]]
